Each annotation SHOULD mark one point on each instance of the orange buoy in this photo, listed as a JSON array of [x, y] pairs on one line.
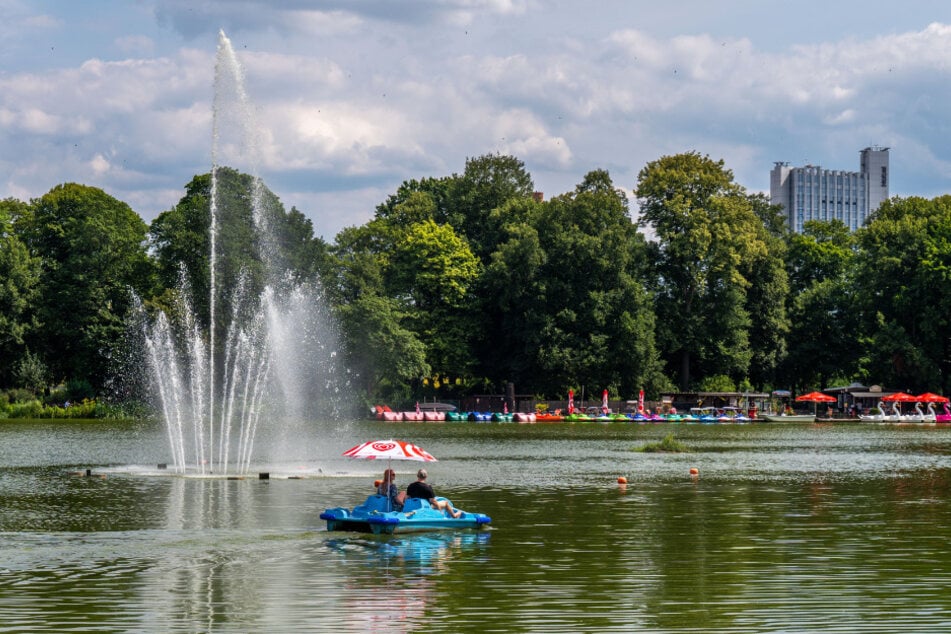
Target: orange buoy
[[694, 471], [622, 480], [377, 483]]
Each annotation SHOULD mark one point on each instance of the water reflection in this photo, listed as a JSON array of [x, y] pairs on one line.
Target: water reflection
[[800, 528], [418, 554], [389, 581]]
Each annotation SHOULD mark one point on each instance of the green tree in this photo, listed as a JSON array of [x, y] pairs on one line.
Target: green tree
[[766, 296], [569, 306], [487, 184], [91, 249], [708, 237], [257, 242], [903, 295], [825, 329], [19, 279], [432, 270], [383, 353], [31, 373]]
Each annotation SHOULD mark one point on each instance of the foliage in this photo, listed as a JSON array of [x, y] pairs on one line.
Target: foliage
[[35, 409], [19, 280], [91, 249], [820, 305], [471, 276], [710, 243], [181, 240], [31, 373], [903, 266], [668, 445], [716, 383]]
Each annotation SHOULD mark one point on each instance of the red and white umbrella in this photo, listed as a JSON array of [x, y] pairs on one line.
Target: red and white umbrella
[[389, 450]]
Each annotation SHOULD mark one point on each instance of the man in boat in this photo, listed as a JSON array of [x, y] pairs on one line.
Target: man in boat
[[421, 489]]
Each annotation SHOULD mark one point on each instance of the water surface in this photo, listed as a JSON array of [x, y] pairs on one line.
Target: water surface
[[788, 528]]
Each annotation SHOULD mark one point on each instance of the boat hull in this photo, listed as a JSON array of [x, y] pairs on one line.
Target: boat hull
[[793, 418], [417, 516]]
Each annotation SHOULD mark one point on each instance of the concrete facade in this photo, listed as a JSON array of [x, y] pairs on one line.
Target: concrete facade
[[814, 193]]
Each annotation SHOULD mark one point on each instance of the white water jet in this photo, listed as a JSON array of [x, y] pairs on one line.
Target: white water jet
[[220, 385]]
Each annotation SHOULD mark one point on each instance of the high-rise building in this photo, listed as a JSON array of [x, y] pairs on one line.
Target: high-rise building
[[813, 193]]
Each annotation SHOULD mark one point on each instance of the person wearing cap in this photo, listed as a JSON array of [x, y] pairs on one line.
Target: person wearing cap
[[421, 489], [388, 488]]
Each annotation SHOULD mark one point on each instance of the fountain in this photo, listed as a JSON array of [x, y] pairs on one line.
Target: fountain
[[235, 380]]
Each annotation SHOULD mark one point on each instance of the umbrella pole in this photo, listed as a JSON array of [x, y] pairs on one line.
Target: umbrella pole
[[389, 464]]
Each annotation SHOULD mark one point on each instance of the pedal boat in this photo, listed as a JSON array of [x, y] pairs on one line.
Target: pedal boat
[[417, 515]]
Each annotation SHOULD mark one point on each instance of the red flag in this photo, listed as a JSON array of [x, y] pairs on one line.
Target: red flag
[[604, 402], [640, 401], [571, 401]]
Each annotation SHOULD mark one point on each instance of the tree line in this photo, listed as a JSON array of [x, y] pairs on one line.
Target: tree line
[[461, 284]]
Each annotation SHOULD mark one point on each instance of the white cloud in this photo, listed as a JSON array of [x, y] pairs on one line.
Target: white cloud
[[351, 99]]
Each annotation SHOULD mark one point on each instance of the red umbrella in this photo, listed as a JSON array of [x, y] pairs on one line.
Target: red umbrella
[[929, 397], [901, 397], [816, 397]]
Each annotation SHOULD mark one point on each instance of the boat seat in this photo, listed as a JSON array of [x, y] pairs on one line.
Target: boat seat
[[414, 504]]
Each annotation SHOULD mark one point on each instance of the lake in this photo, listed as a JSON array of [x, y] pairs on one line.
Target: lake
[[788, 528]]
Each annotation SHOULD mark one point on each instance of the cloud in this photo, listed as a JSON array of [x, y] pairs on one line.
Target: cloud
[[352, 98]]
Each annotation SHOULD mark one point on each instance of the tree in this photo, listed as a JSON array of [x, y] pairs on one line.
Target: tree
[[488, 182], [708, 236], [19, 279], [31, 373], [91, 249], [382, 351], [257, 242], [903, 295], [766, 297], [432, 270], [824, 332], [565, 293]]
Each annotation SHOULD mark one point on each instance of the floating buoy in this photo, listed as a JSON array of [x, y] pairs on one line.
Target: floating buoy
[[622, 480], [377, 483], [694, 471]]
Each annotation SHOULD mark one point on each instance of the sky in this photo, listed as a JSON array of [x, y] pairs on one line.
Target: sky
[[350, 98]]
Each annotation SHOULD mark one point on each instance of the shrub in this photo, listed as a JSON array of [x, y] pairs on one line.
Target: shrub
[[668, 445], [29, 409]]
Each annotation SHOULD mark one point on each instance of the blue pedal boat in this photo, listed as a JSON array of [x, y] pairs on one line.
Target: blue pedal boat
[[417, 515]]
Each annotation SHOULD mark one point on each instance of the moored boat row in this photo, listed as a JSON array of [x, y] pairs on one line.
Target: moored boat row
[[699, 415]]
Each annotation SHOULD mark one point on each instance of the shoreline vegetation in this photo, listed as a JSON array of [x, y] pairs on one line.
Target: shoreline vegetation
[[86, 409], [668, 445]]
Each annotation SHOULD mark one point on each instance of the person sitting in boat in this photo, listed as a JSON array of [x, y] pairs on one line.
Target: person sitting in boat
[[388, 488], [420, 489]]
